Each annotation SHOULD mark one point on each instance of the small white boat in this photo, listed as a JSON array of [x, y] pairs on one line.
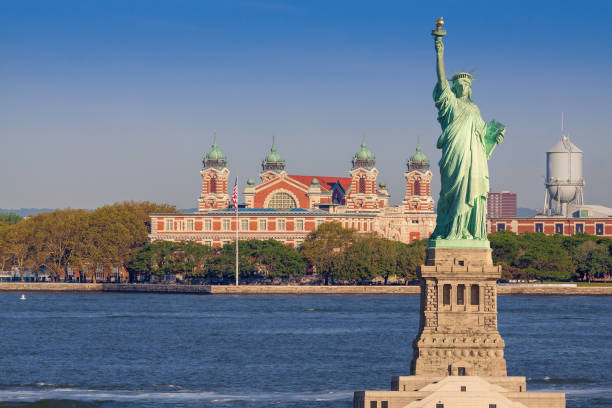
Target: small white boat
[[22, 297]]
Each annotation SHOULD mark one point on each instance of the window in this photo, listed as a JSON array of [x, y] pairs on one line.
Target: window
[[180, 226], [417, 188], [438, 405], [226, 225], [599, 229], [208, 243], [415, 221], [460, 294], [539, 227], [461, 371], [244, 225], [281, 225], [207, 225], [492, 405], [559, 229], [373, 404], [579, 228], [475, 295], [446, 292], [299, 225], [213, 185], [384, 404], [282, 201], [319, 222], [169, 224], [501, 226], [362, 185], [263, 225], [463, 388], [189, 225]]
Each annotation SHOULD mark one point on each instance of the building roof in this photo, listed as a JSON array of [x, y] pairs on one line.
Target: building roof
[[326, 182], [563, 146]]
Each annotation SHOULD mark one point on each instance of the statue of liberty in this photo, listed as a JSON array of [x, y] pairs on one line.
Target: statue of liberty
[[467, 143]]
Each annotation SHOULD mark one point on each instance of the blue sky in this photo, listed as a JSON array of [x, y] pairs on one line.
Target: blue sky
[[118, 100]]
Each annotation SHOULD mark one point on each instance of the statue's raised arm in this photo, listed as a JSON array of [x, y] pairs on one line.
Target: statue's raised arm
[[441, 71]]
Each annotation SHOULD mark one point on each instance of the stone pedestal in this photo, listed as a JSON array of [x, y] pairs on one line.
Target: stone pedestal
[[458, 358], [458, 325]]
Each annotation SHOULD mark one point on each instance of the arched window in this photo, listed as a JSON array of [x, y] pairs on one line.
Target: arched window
[[460, 294], [362, 185], [282, 201], [417, 187], [338, 197], [446, 294], [213, 185], [475, 295]]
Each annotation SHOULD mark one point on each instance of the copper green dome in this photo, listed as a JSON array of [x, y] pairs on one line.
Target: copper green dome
[[418, 161], [273, 161], [215, 157], [364, 158]]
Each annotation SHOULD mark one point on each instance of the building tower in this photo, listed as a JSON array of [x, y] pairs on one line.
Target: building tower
[[418, 184], [214, 180], [272, 165], [363, 194]]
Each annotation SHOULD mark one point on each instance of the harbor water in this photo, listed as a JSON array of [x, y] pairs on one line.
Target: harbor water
[[156, 350]]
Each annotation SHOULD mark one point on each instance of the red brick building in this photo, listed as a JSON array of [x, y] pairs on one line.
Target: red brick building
[[553, 225], [287, 207]]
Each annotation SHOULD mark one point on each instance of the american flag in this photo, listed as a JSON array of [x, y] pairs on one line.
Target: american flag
[[235, 196]]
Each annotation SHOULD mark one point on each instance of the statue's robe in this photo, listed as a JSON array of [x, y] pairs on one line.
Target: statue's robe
[[467, 143]]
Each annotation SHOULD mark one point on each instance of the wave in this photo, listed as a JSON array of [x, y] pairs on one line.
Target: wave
[[549, 380], [181, 396]]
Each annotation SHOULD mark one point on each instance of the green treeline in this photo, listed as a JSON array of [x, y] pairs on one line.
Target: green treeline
[[531, 256], [117, 235], [106, 237], [329, 255]]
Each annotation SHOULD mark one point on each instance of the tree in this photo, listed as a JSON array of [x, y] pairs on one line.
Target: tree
[[142, 210], [58, 238], [10, 218], [324, 248], [543, 257], [20, 237], [592, 260]]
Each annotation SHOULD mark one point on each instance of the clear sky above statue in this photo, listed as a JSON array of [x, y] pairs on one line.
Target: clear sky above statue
[[118, 100]]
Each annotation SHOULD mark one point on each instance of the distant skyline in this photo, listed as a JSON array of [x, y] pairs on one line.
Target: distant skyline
[[112, 101]]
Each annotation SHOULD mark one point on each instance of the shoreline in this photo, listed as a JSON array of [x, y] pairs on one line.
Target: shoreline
[[502, 290]]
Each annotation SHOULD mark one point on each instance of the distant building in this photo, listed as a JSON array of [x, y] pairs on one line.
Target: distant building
[[287, 207], [501, 205]]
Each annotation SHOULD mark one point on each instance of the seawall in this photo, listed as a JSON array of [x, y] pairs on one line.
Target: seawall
[[535, 290]]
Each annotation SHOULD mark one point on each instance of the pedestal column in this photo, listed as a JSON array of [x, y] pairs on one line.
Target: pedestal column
[[458, 324]]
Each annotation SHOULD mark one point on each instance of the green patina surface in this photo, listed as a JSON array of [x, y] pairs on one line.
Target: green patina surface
[[467, 142]]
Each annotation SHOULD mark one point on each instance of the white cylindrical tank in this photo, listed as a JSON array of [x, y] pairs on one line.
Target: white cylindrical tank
[[564, 171]]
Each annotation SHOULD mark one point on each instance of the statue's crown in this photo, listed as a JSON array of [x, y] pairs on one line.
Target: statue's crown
[[462, 75]]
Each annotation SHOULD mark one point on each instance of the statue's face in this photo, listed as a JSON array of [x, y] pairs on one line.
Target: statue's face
[[462, 87]]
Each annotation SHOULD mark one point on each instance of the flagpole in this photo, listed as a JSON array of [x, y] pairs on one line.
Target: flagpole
[[237, 225]]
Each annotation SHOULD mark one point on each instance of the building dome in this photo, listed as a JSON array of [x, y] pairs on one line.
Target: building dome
[[364, 158], [215, 157], [250, 182], [418, 161], [273, 161]]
